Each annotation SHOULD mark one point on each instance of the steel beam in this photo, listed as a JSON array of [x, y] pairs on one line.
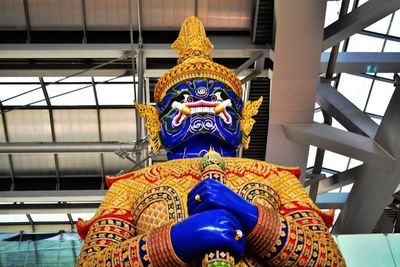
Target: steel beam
[[338, 180], [65, 147], [224, 47], [299, 33], [42, 227], [373, 190], [331, 200], [358, 19], [345, 112], [361, 62], [89, 196], [339, 141]]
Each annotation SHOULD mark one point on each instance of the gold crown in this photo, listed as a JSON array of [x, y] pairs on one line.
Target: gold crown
[[195, 61]]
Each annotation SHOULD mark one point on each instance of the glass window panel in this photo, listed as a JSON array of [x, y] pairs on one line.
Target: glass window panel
[[52, 79], [386, 75], [83, 216], [103, 78], [362, 2], [392, 46], [115, 94], [337, 125], [354, 163], [335, 161], [19, 79], [380, 96], [363, 43], [318, 117], [13, 218], [351, 3], [337, 190], [49, 217], [332, 11], [83, 96], [355, 89], [366, 250], [337, 213], [395, 29], [125, 79], [381, 26], [327, 174], [378, 121], [311, 156], [394, 244], [346, 188], [78, 79], [7, 91]]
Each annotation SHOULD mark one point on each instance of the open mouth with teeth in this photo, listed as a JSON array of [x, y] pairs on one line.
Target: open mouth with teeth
[[201, 107]]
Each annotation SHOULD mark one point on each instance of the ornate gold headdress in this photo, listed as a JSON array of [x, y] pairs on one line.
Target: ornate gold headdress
[[195, 61]]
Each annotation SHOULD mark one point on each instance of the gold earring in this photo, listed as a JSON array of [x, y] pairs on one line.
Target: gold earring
[[250, 109], [150, 114]]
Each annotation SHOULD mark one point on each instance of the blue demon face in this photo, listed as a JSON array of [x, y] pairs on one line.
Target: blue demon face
[[200, 111]]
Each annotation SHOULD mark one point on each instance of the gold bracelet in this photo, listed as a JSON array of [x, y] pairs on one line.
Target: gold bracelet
[[266, 232], [161, 251]]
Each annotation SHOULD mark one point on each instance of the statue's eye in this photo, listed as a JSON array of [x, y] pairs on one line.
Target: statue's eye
[[187, 98], [216, 97]]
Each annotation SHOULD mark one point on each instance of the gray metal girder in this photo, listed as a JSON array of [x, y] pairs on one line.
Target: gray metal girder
[[361, 62], [338, 180], [357, 20], [339, 141], [373, 189], [331, 200], [345, 112]]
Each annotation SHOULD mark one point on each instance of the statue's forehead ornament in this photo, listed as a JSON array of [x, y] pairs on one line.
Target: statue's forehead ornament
[[195, 61]]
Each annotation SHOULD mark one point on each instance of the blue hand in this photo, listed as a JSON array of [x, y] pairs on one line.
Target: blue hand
[[207, 232], [215, 195]]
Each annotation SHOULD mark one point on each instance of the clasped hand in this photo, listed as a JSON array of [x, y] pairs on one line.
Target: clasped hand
[[216, 213]]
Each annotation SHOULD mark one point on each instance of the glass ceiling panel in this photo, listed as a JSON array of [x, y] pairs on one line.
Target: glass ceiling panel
[[318, 117], [49, 217], [311, 156], [392, 46], [346, 188], [83, 216], [386, 75], [381, 26], [51, 79], [355, 89], [358, 43], [78, 79], [378, 121], [13, 218], [395, 29], [19, 79], [10, 90], [380, 96], [103, 78], [332, 11], [335, 161], [354, 163], [337, 125], [115, 94], [84, 96]]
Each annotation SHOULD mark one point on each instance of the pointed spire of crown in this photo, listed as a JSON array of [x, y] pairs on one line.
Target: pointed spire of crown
[[192, 40]]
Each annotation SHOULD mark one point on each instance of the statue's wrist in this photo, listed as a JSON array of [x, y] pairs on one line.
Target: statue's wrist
[[161, 251], [266, 231]]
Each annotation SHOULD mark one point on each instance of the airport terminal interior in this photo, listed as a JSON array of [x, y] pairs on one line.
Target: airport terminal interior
[[71, 71]]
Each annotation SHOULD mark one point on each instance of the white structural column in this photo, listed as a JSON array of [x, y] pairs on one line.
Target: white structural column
[[298, 42]]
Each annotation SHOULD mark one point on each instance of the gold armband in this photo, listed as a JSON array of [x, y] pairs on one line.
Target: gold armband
[[266, 232], [160, 249]]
